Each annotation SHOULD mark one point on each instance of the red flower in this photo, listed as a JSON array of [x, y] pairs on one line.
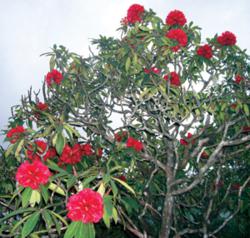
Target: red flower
[[174, 79], [32, 174], [42, 106], [54, 77], [238, 78], [15, 133], [86, 149], [134, 13], [71, 155], [153, 70], [183, 141], [38, 152], [227, 38], [119, 136], [205, 51], [133, 143], [179, 36], [85, 206], [176, 17]]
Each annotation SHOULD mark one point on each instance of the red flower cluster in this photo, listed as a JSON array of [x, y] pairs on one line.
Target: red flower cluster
[[32, 174], [152, 70], [38, 152], [54, 77], [183, 141], [15, 133], [135, 13], [205, 51], [238, 79], [227, 38], [85, 206], [42, 106], [179, 36], [176, 17], [71, 155], [86, 149], [119, 136], [133, 143], [174, 79]]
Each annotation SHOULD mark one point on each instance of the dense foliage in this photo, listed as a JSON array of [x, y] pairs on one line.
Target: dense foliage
[[149, 137]]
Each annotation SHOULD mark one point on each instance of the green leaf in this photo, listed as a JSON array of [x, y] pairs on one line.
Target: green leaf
[[72, 230], [87, 181], [127, 64], [106, 219], [114, 188], [56, 188], [47, 218], [246, 109], [45, 193], [124, 184], [26, 194], [115, 215], [60, 142], [108, 205], [30, 224]]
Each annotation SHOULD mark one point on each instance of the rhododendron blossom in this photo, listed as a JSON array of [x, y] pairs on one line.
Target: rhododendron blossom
[[227, 38], [183, 141], [205, 51], [85, 206], [176, 17], [54, 77], [152, 70], [119, 136], [86, 149], [42, 106], [174, 79], [15, 133], [179, 36], [238, 79], [71, 155], [133, 143], [32, 174], [39, 150], [135, 13]]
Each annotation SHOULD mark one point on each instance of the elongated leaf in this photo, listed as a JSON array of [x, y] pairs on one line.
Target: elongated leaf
[[72, 230], [45, 193], [56, 189], [124, 184], [26, 194], [108, 205], [47, 218], [35, 198], [30, 224], [60, 142]]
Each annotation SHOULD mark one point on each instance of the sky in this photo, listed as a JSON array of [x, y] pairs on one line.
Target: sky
[[30, 27]]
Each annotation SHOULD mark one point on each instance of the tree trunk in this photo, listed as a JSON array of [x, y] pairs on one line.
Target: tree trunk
[[167, 214]]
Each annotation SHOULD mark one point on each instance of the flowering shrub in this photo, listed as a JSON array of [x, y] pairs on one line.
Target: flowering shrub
[[111, 146]]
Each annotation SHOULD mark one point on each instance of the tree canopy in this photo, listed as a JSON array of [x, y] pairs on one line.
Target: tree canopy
[[148, 137]]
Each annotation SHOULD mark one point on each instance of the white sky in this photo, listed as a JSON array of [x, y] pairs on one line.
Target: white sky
[[30, 27]]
